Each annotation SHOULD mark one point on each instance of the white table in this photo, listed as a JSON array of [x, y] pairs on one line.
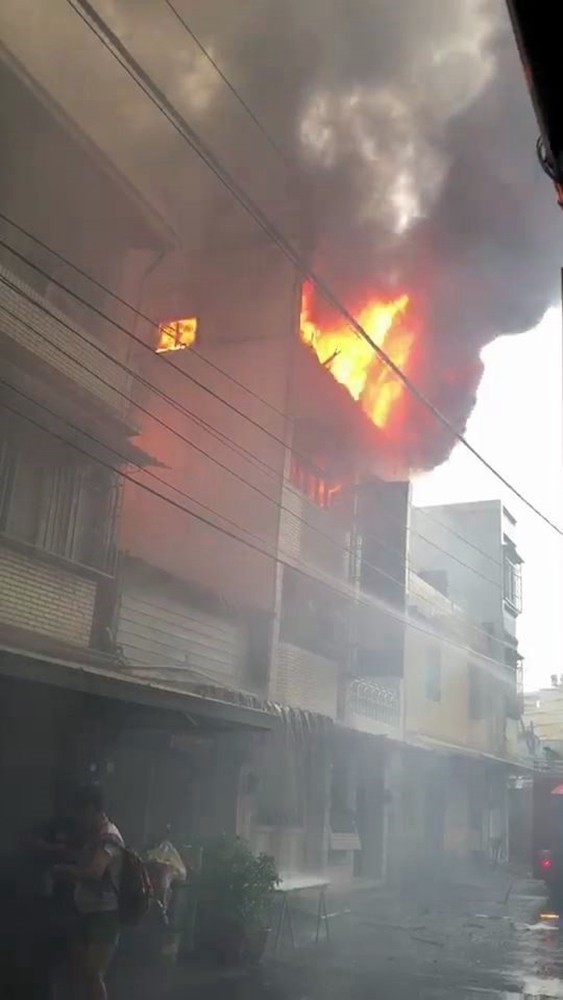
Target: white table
[[291, 886]]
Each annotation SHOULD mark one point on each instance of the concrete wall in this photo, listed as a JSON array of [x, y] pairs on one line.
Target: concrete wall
[[222, 461], [444, 637], [474, 577]]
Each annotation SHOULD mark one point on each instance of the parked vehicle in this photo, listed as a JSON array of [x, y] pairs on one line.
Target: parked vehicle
[[547, 830]]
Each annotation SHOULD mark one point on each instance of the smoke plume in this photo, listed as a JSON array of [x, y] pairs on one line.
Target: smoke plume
[[408, 135]]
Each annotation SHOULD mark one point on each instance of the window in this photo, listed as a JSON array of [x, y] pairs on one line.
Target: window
[[434, 673], [52, 500], [512, 578], [313, 617], [176, 335], [313, 483]]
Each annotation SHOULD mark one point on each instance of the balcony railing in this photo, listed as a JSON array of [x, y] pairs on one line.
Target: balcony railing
[[377, 699]]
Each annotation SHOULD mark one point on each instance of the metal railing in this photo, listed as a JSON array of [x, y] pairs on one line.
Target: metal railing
[[378, 699]]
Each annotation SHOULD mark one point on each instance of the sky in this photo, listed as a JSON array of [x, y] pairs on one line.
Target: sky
[[517, 426]]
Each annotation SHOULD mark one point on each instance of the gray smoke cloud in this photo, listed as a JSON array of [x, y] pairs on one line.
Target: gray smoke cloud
[[410, 139]]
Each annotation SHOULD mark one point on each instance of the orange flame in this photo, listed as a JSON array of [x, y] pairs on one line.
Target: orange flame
[[354, 363], [176, 335]]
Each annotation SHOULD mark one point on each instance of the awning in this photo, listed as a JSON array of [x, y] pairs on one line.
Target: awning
[[430, 743], [103, 681]]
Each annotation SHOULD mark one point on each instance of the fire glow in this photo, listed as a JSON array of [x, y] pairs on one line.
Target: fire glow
[[176, 335], [352, 361]]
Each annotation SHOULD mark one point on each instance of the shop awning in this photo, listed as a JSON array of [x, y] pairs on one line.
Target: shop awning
[[425, 742], [103, 681]]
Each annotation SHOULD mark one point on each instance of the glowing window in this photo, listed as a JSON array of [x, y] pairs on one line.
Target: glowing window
[[176, 335]]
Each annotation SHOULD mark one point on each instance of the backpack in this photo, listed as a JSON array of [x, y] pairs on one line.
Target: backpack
[[135, 891]]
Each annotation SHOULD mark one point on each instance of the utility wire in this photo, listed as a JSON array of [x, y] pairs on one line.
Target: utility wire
[[294, 565], [342, 547], [275, 146], [135, 310], [238, 97], [228, 469], [122, 55], [181, 407], [193, 350], [278, 149]]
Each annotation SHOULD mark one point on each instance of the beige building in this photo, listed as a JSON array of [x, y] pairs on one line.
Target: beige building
[[461, 727], [543, 709]]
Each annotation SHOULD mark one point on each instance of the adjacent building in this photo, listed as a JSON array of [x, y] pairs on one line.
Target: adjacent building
[[462, 679]]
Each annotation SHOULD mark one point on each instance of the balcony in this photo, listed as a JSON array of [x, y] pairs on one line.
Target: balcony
[[47, 338], [375, 705], [312, 535]]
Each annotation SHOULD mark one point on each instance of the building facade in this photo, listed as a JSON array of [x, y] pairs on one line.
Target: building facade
[[462, 678], [203, 552]]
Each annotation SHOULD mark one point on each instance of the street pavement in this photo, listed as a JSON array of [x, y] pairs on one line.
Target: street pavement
[[480, 936]]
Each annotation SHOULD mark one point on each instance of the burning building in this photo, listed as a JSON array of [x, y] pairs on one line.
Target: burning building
[[261, 522]]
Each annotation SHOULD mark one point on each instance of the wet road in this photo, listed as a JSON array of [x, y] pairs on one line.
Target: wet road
[[482, 939]]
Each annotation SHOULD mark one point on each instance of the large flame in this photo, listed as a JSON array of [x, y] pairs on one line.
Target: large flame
[[351, 359]]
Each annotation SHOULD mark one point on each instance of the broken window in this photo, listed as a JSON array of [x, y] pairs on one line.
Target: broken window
[[313, 483], [176, 335]]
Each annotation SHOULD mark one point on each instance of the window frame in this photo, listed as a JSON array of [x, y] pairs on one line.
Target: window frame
[[62, 512], [313, 483], [511, 578]]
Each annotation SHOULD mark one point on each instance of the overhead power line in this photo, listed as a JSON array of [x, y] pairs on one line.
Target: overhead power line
[[278, 149], [164, 360], [345, 589], [343, 548], [143, 80], [181, 408], [230, 86]]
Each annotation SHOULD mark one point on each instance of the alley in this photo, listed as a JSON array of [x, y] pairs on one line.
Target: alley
[[478, 937]]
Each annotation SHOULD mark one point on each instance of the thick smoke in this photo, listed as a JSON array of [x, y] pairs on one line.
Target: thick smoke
[[409, 138]]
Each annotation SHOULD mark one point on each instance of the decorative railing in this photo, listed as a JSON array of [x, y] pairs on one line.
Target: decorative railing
[[378, 699]]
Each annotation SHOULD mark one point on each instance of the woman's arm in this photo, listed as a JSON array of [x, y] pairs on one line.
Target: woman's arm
[[95, 869]]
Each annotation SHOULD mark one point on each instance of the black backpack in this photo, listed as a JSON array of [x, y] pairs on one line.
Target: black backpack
[[135, 890]]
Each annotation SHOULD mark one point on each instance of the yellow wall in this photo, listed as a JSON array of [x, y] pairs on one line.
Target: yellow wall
[[448, 720]]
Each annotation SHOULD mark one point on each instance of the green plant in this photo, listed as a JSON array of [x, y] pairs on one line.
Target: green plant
[[236, 885]]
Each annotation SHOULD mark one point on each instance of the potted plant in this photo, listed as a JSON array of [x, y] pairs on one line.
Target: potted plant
[[234, 894]]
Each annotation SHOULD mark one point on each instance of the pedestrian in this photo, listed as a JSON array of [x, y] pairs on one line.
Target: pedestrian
[[95, 877]]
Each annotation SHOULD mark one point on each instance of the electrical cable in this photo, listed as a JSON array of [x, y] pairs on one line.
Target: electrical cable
[[238, 97], [343, 548], [200, 385], [122, 55], [149, 385], [136, 311], [540, 149], [344, 590]]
